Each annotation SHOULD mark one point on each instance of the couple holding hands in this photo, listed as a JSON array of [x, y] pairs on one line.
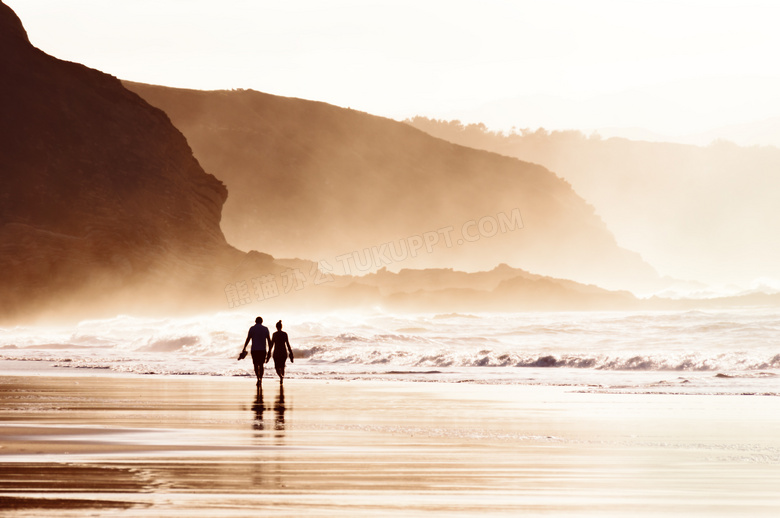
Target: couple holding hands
[[278, 347]]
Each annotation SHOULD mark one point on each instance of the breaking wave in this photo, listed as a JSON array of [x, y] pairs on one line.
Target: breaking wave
[[739, 344]]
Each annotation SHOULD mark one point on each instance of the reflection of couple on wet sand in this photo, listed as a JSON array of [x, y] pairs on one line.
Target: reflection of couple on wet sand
[[279, 408], [278, 347]]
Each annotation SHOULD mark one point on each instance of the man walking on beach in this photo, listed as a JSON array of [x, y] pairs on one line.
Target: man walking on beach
[[260, 337]]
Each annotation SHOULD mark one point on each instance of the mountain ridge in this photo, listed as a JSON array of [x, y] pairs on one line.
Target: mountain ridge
[[311, 171]]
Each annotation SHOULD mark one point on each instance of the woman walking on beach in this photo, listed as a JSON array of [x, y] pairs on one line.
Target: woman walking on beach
[[280, 346]]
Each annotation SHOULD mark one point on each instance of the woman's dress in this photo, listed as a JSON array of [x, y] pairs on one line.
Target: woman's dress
[[280, 347]]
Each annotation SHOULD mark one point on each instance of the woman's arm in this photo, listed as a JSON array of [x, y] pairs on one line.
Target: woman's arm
[[289, 348]]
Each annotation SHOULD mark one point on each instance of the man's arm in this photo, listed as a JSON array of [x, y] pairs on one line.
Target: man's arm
[[269, 348], [289, 348], [248, 336]]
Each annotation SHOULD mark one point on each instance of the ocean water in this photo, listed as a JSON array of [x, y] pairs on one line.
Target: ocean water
[[687, 352]]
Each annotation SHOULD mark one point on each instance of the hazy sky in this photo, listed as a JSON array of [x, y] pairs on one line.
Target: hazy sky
[[669, 66]]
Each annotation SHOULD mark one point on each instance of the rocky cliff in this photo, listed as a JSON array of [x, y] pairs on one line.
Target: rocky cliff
[[101, 194]]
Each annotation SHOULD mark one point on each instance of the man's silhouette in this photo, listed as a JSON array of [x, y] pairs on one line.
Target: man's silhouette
[[260, 337]]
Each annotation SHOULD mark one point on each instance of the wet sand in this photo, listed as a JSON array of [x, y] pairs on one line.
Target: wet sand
[[76, 445]]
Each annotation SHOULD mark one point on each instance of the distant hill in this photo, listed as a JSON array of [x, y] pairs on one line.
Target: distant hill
[[104, 208], [704, 213], [311, 180], [765, 132]]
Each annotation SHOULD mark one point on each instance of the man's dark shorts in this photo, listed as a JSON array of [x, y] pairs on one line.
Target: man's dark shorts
[[259, 359]]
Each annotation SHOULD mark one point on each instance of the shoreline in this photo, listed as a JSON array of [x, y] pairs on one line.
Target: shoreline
[[617, 382], [170, 445]]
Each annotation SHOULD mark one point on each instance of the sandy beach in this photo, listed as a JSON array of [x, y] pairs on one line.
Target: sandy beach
[[76, 444]]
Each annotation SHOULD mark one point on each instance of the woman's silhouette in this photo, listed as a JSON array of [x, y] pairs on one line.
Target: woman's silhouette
[[280, 346]]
